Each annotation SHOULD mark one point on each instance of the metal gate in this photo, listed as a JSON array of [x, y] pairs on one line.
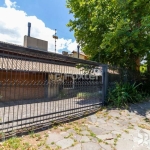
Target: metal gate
[[39, 88]]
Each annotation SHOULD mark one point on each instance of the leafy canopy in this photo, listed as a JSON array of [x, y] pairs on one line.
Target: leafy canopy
[[112, 31]]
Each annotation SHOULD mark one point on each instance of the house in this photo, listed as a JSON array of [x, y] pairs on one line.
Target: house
[[31, 72]]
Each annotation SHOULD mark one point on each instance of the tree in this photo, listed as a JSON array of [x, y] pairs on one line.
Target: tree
[[112, 31]]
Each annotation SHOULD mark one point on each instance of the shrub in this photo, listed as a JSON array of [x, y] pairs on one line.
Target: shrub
[[124, 93]]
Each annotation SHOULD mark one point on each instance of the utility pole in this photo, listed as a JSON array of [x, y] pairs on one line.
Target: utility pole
[[55, 37]]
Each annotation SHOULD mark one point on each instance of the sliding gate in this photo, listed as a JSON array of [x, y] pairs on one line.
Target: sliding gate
[[39, 88]]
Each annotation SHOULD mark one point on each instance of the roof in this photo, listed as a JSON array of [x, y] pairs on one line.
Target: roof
[[19, 58], [44, 55], [81, 53], [35, 66]]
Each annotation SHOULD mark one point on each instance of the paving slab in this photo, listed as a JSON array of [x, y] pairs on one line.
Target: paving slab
[[127, 136], [91, 146], [98, 130], [106, 146], [124, 144], [115, 126], [65, 143], [85, 132], [53, 137], [101, 121], [64, 134], [115, 114], [76, 137], [84, 139], [71, 131], [140, 148], [92, 118], [105, 136], [107, 128], [76, 147]]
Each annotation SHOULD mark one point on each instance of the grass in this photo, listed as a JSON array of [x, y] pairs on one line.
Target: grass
[[131, 127], [52, 143], [31, 133], [126, 131], [88, 95], [144, 126], [68, 136], [15, 143], [147, 120]]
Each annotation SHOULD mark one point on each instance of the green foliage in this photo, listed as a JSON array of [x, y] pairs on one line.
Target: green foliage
[[88, 95], [114, 31], [124, 93], [86, 68], [13, 143], [143, 68]]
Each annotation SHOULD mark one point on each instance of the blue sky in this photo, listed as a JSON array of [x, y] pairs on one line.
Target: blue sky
[[45, 16]]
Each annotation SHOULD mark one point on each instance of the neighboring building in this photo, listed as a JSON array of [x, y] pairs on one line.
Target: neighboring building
[[81, 55]]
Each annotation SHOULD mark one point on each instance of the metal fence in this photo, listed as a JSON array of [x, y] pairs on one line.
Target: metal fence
[[39, 88], [116, 74]]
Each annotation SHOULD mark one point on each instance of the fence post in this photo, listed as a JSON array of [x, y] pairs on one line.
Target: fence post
[[104, 83]]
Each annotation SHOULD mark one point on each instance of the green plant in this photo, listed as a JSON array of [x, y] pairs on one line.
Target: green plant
[[88, 95], [124, 93], [12, 143], [32, 134], [52, 143], [26, 146]]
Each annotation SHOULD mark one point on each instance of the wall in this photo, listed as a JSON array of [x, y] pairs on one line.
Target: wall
[[21, 85], [34, 43]]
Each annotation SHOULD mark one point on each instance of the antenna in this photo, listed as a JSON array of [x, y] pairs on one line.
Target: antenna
[[55, 37]]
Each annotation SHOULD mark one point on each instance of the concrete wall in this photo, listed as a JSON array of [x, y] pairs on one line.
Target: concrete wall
[[34, 43]]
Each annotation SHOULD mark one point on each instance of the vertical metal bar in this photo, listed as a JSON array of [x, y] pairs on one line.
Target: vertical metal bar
[[19, 94], [14, 86], [28, 93], [105, 83], [50, 90], [55, 90], [9, 86], [3, 87], [42, 101], [47, 87], [38, 87], [24, 86], [44, 98]]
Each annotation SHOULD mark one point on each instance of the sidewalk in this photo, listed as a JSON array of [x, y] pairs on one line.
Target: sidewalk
[[109, 129]]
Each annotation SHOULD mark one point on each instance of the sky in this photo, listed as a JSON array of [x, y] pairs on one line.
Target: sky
[[45, 16]]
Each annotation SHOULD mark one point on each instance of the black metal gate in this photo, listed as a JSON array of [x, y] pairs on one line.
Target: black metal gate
[[39, 88]]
